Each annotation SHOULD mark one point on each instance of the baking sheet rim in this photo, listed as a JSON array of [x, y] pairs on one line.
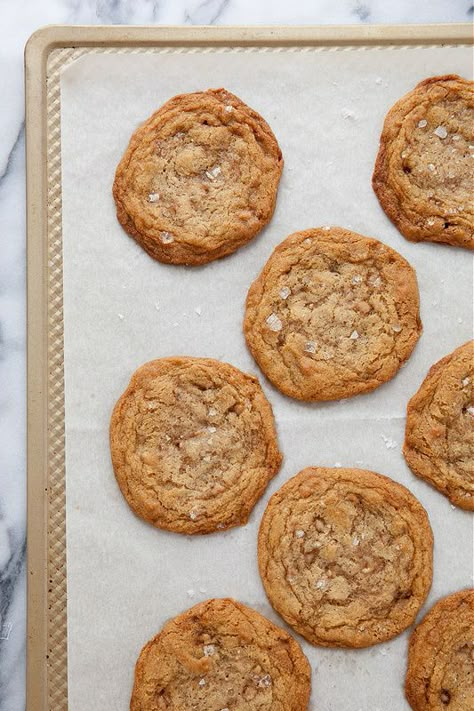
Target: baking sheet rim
[[46, 558]]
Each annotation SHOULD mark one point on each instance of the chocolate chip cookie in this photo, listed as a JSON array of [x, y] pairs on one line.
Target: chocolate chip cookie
[[439, 434], [424, 173], [221, 656], [440, 674], [199, 178], [332, 314], [193, 444], [345, 556]]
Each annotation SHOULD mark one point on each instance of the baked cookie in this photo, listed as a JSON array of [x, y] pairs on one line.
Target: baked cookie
[[193, 444], [439, 433], [424, 171], [440, 674], [221, 656], [199, 178], [332, 314], [345, 556]]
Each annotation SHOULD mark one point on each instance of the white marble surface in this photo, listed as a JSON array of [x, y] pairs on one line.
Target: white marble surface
[[17, 21]]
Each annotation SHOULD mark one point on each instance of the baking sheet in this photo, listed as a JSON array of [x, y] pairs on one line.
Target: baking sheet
[[121, 308]]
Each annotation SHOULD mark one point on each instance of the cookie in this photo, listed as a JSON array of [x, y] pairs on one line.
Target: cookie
[[345, 556], [193, 444], [424, 172], [199, 178], [440, 674], [332, 314], [439, 433], [221, 656]]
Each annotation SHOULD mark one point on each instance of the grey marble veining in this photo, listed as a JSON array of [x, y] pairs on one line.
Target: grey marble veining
[[17, 22]]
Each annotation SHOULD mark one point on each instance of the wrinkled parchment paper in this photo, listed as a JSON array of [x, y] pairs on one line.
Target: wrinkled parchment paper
[[126, 578]]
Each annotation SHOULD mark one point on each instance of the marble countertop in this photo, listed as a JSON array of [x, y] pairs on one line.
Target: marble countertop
[[17, 22]]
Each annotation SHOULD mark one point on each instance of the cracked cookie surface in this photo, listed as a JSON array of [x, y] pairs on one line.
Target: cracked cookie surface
[[439, 433], [193, 444], [332, 314], [424, 171], [440, 674], [345, 556], [199, 178], [221, 656]]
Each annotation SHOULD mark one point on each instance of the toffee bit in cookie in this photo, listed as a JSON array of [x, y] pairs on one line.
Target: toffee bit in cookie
[[214, 172], [284, 292], [354, 335], [396, 327], [299, 533], [166, 237], [310, 347], [356, 279], [440, 131], [274, 323], [422, 123], [208, 650], [153, 197]]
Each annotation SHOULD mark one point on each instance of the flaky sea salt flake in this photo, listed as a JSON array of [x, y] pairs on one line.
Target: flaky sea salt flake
[[354, 335], [431, 167], [274, 323], [389, 442], [396, 327], [208, 650], [440, 131], [202, 682], [299, 533], [121, 316], [310, 347], [470, 410], [192, 515], [284, 292], [198, 310], [356, 279], [466, 381], [191, 593], [214, 172], [422, 123], [166, 237], [347, 114], [153, 197]]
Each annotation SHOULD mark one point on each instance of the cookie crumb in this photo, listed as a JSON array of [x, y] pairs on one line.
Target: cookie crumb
[[166, 237], [284, 292], [274, 323], [440, 131], [153, 197], [310, 347], [422, 123]]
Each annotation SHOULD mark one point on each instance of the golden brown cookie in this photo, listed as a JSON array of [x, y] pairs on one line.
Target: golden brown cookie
[[439, 434], [424, 173], [440, 674], [345, 556], [199, 178], [193, 444], [221, 656], [332, 314]]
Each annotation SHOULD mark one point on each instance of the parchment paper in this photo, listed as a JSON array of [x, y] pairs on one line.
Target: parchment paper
[[126, 578]]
